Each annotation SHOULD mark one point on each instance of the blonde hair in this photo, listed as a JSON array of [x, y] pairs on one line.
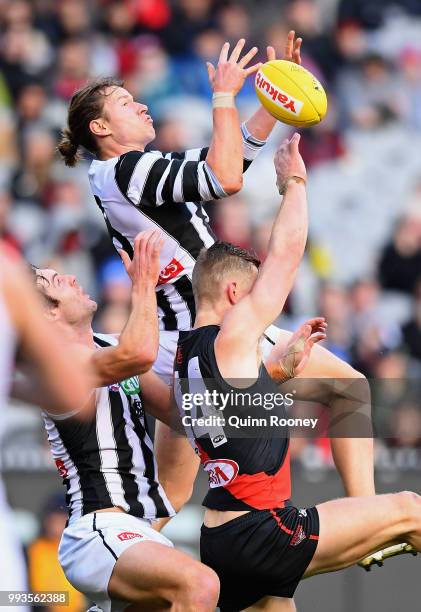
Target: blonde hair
[[212, 265]]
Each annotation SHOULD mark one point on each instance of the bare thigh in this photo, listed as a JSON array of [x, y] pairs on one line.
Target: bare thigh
[[352, 528], [153, 576]]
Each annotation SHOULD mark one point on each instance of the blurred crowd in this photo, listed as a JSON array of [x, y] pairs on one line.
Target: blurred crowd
[[362, 268]]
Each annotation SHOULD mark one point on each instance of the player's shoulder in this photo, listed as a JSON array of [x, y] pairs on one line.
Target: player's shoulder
[[119, 161], [197, 342]]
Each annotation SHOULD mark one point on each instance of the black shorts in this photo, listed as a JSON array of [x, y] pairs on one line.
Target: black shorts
[[264, 552]]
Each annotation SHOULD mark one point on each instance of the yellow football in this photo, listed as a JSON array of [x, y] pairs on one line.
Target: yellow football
[[291, 93]]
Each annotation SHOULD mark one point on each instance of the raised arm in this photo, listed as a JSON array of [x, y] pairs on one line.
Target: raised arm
[[138, 342], [151, 179], [244, 323], [225, 154]]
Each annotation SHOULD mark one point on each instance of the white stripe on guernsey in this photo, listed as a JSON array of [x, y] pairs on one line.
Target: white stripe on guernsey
[[158, 194], [199, 225], [140, 175], [107, 450], [193, 154], [203, 185], [59, 451], [139, 462], [178, 306], [215, 183], [177, 194]]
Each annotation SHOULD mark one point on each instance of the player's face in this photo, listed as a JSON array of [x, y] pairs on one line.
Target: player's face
[[73, 303], [127, 120]]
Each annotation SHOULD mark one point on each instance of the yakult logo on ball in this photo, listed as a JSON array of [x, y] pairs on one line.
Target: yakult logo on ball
[[272, 92]]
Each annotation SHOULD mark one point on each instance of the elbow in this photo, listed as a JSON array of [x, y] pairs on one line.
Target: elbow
[[232, 185], [177, 498], [139, 361]]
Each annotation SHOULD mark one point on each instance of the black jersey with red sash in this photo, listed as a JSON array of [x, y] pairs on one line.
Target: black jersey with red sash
[[244, 472]]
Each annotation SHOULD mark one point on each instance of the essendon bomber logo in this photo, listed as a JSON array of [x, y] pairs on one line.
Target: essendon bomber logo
[[170, 271], [221, 472], [270, 91], [128, 535], [299, 536]]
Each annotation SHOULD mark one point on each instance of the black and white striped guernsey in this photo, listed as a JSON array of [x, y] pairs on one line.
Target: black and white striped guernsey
[[142, 190], [107, 460]]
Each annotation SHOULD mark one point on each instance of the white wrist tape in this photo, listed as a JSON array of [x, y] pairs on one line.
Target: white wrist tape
[[221, 99]]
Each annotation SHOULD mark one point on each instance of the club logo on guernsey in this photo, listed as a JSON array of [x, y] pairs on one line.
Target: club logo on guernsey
[[170, 271], [221, 472], [128, 535], [299, 536], [272, 92], [131, 385]]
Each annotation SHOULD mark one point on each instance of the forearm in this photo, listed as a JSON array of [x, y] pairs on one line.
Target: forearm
[[289, 233], [286, 248], [225, 155], [354, 460], [140, 336], [261, 124]]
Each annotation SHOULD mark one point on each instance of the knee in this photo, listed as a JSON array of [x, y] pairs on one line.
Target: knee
[[410, 506], [201, 587]]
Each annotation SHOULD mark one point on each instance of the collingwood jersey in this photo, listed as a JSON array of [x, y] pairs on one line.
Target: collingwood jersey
[[108, 459], [142, 190], [245, 473]]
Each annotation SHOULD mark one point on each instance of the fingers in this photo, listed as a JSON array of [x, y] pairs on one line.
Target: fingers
[[211, 71], [317, 322], [271, 53], [237, 51], [252, 69], [293, 142], [317, 337], [248, 56], [296, 55], [125, 259], [289, 45], [223, 56]]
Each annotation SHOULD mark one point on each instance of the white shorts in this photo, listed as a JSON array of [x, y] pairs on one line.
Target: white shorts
[[164, 364], [90, 547]]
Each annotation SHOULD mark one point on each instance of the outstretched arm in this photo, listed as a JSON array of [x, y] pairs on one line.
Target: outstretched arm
[[225, 154], [246, 321], [138, 343]]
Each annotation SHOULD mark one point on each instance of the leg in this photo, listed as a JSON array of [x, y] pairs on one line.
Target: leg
[[334, 383], [273, 604], [352, 528], [153, 576]]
